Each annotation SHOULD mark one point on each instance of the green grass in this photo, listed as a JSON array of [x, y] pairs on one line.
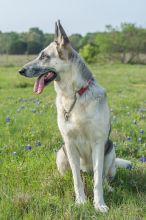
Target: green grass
[[30, 185]]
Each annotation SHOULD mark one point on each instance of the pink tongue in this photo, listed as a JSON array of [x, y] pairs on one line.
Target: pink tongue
[[39, 85]]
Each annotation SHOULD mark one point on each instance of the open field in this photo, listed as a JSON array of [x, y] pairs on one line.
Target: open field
[[15, 60], [30, 185]]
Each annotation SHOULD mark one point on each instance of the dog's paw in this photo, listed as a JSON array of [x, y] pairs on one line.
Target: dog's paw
[[101, 208], [80, 200]]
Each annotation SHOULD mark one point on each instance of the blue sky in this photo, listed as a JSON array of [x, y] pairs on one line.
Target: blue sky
[[77, 16]]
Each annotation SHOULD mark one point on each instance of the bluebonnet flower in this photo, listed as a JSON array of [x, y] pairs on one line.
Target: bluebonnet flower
[[33, 110], [8, 119], [129, 167], [25, 100], [38, 144], [143, 159], [28, 147], [142, 109], [139, 140], [128, 138], [141, 131]]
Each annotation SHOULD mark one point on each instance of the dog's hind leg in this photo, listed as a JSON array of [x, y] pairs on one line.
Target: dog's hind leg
[[109, 168], [109, 164], [62, 160]]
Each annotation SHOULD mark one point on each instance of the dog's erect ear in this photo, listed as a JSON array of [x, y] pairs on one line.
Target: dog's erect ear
[[63, 35], [60, 35], [56, 32], [62, 41]]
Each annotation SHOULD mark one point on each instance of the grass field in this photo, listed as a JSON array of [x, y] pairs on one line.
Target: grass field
[[30, 185]]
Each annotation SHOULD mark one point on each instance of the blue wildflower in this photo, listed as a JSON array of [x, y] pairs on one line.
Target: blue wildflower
[[33, 110], [139, 140], [25, 100], [141, 131], [142, 109], [128, 138], [143, 159], [38, 144], [28, 147], [129, 167], [8, 119]]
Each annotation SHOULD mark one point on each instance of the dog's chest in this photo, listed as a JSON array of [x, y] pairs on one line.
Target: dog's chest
[[86, 122]]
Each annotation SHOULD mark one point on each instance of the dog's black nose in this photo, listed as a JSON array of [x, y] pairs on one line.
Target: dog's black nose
[[22, 71]]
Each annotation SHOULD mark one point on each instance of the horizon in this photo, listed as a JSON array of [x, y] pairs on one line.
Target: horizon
[[118, 28]]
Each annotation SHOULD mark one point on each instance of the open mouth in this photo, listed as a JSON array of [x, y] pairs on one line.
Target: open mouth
[[43, 81]]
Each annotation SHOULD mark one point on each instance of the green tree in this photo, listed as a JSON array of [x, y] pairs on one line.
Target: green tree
[[18, 47], [76, 41], [33, 47], [48, 38], [131, 42], [89, 52], [6, 40], [89, 38], [36, 35]]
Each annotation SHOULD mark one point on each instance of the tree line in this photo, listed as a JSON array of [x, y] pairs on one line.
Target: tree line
[[126, 43]]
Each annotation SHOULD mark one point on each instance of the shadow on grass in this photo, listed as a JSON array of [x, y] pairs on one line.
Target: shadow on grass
[[23, 85], [127, 185]]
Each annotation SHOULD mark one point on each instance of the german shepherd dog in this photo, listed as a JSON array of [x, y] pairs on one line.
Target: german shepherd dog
[[82, 113]]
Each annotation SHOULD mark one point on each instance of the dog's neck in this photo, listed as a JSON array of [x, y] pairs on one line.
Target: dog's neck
[[74, 77]]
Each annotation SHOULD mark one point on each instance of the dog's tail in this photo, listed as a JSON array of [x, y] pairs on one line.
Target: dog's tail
[[123, 163]]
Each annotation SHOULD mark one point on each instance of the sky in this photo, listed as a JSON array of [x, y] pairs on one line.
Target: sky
[[77, 16]]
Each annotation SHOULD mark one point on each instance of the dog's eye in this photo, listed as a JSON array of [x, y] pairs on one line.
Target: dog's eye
[[44, 56]]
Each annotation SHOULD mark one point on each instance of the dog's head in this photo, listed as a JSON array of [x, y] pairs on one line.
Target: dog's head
[[51, 62]]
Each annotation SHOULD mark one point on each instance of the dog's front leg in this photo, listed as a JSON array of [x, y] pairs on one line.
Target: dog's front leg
[[98, 161], [74, 161]]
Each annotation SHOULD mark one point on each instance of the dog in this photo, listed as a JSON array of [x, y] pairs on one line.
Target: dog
[[83, 115]]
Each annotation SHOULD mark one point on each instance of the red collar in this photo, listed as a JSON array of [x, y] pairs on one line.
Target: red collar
[[85, 88]]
